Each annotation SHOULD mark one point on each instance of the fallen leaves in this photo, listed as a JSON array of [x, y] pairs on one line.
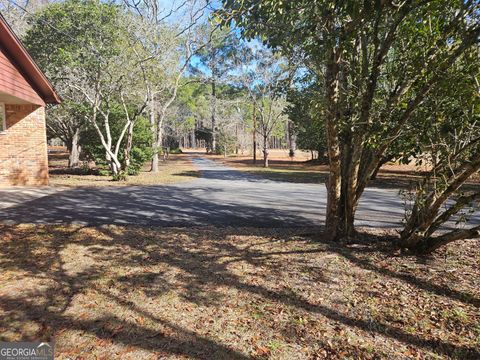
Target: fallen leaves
[[131, 292]]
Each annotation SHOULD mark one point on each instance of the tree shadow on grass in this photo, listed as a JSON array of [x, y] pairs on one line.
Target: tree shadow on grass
[[42, 260], [201, 263], [370, 244]]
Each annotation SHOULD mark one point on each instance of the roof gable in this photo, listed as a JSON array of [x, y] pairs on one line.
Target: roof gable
[[26, 69], [14, 85]]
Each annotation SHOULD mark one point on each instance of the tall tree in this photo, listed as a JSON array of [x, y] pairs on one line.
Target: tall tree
[[94, 61], [171, 37], [66, 123], [212, 63], [303, 113], [17, 13], [378, 62], [263, 74]]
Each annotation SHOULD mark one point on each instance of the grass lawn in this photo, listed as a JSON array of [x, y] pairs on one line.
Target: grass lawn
[[177, 168], [148, 293]]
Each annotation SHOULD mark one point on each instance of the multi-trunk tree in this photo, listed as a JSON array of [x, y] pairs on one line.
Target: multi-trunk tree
[[107, 57], [378, 62]]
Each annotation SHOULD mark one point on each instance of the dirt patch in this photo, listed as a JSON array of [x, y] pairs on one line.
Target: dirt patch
[[236, 293]]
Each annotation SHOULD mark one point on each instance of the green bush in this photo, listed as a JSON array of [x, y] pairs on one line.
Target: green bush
[[121, 176], [142, 138]]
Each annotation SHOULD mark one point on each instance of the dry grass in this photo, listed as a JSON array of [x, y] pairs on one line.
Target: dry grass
[[148, 293], [178, 168]]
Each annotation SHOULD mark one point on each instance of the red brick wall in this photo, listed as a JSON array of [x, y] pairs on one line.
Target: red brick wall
[[23, 147]]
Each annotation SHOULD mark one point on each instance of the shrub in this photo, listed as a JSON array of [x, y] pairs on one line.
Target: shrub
[[141, 150]]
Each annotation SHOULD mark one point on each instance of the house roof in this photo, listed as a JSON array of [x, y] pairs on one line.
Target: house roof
[[26, 65]]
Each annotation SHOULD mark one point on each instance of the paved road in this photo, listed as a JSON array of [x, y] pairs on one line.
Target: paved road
[[221, 197]]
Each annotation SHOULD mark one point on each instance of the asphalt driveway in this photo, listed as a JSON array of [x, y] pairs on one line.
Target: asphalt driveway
[[221, 197]]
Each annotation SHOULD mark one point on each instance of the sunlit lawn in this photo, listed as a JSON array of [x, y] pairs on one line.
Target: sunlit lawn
[[178, 168]]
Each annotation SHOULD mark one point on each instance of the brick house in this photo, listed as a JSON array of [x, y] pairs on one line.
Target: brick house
[[24, 93]]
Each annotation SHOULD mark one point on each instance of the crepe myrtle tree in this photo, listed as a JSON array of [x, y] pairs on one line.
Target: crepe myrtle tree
[[378, 61], [113, 78]]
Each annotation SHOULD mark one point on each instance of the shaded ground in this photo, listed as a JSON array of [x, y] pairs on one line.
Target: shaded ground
[[178, 168], [113, 292]]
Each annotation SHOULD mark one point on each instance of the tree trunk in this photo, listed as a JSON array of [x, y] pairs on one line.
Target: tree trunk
[[425, 217], [379, 166], [292, 139], [157, 137], [113, 163], [155, 161], [423, 245], [265, 151], [115, 167], [334, 221], [128, 147], [193, 140], [214, 119], [75, 149], [254, 134], [157, 147], [236, 139], [375, 172]]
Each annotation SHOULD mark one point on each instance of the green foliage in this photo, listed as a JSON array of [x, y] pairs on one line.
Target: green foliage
[[378, 67], [204, 134], [96, 55], [120, 176], [171, 142], [142, 140], [214, 61], [308, 122], [226, 142], [84, 35], [141, 150]]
